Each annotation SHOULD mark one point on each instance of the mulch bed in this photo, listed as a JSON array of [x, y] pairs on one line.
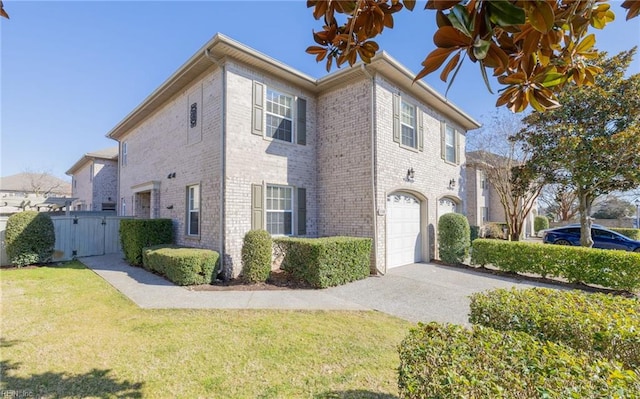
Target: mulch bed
[[278, 280]]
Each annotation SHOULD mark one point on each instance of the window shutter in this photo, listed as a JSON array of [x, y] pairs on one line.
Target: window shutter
[[257, 207], [420, 130], [258, 107], [396, 118], [301, 131], [443, 148], [302, 211], [457, 138]]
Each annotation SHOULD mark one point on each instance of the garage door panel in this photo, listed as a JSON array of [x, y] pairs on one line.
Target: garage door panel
[[404, 239]]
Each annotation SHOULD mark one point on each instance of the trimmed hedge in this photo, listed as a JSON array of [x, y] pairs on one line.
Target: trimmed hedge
[[449, 361], [608, 268], [30, 238], [474, 232], [603, 325], [540, 223], [136, 234], [453, 238], [183, 266], [326, 262], [257, 249], [634, 234]]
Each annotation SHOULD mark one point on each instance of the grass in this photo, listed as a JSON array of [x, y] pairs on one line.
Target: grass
[[67, 333]]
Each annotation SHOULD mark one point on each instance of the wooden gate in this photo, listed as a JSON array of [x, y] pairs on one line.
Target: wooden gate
[[78, 236]]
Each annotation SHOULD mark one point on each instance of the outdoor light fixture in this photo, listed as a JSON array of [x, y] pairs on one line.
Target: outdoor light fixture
[[170, 207], [171, 175], [411, 174], [452, 184]]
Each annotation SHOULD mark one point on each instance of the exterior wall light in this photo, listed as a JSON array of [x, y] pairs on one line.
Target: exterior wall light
[[411, 174]]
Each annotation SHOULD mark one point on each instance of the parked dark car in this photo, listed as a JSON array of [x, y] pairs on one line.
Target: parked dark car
[[602, 238]]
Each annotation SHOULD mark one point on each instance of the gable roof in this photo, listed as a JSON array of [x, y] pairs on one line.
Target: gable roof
[[488, 158], [110, 153], [220, 47], [22, 182]]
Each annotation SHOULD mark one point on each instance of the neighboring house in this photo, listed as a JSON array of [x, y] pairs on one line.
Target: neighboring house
[[95, 181], [33, 191], [483, 201], [235, 140]]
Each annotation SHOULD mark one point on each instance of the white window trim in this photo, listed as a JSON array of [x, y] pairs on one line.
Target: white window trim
[[413, 127], [291, 210], [124, 153], [451, 129], [194, 210], [290, 119]]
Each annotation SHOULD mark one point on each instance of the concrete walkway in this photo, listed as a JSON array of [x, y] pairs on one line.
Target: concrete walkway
[[418, 292]]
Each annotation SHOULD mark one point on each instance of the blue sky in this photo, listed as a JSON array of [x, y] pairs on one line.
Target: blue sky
[[70, 71]]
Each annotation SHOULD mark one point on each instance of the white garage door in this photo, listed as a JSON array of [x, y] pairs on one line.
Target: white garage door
[[404, 240]]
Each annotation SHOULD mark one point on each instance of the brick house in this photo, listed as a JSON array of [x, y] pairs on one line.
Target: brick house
[[94, 181], [235, 140], [483, 200]]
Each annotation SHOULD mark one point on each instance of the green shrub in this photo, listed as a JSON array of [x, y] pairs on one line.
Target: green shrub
[[474, 232], [493, 230], [634, 234], [540, 223], [136, 234], [453, 238], [449, 361], [183, 266], [618, 270], [326, 262], [30, 238], [604, 325], [257, 249]]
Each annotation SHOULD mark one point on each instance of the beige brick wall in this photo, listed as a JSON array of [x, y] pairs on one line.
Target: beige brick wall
[[105, 182], [160, 145], [252, 159], [432, 173], [82, 187]]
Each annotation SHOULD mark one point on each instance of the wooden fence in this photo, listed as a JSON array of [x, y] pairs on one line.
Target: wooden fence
[[78, 236]]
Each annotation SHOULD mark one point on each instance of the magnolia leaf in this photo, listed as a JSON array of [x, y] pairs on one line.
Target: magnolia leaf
[[448, 36], [440, 4], [410, 4], [481, 48], [3, 13], [453, 62], [345, 7], [586, 44], [459, 19], [442, 19], [504, 13], [434, 60], [541, 15], [551, 79], [483, 71], [453, 78], [634, 8]]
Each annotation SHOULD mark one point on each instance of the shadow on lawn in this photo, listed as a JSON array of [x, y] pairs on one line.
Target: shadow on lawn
[[354, 394], [63, 385]]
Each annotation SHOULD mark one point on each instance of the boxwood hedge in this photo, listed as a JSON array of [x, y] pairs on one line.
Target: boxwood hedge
[[603, 325], [30, 238], [450, 361], [326, 262], [136, 234], [183, 266], [612, 269], [453, 238], [634, 234], [257, 248]]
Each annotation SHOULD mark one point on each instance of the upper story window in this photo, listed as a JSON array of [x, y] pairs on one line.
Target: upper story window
[[123, 160], [408, 125], [91, 171], [483, 180], [450, 144], [484, 211], [278, 116], [193, 210]]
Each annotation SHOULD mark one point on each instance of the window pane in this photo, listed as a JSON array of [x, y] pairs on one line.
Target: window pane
[[408, 136], [287, 218], [194, 221], [279, 115]]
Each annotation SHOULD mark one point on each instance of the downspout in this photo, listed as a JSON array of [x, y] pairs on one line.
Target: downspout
[[374, 176], [223, 150]]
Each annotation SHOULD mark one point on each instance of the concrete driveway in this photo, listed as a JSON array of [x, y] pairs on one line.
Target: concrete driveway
[[418, 292]]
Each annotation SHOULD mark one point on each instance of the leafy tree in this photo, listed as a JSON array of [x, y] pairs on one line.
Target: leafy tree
[[614, 208], [497, 157], [534, 48], [592, 143]]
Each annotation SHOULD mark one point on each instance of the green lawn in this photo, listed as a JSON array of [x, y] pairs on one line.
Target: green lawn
[[67, 333]]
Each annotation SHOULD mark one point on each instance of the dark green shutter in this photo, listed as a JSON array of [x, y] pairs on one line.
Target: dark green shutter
[[257, 207], [302, 211], [301, 131], [258, 106], [396, 118], [420, 129]]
